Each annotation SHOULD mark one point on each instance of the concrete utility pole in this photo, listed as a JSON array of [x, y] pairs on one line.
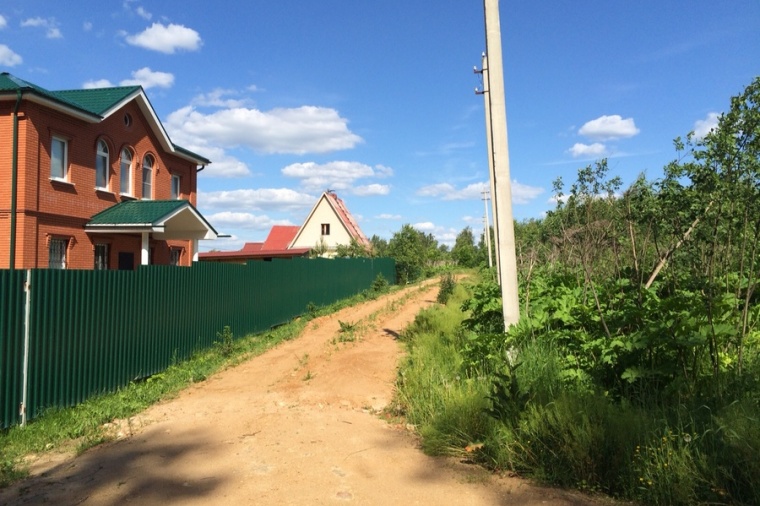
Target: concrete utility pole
[[486, 99], [502, 196], [487, 227]]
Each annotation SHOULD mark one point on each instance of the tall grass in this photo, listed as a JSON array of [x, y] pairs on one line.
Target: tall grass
[[534, 415]]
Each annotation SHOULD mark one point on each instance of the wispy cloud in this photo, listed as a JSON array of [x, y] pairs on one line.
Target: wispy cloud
[[50, 25]]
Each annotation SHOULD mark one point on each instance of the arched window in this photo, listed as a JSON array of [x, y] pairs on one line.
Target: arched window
[[101, 166], [147, 177], [126, 172]]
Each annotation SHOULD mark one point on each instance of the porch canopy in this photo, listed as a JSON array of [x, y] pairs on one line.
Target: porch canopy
[[163, 219]]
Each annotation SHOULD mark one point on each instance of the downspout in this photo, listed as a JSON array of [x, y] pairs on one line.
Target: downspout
[[14, 182]]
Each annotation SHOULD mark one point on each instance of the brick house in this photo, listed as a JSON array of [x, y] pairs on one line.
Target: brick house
[[92, 181]]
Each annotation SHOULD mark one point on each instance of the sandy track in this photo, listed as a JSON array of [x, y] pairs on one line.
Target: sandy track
[[296, 425]]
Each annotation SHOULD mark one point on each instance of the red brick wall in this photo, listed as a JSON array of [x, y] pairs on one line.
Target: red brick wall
[[51, 209]]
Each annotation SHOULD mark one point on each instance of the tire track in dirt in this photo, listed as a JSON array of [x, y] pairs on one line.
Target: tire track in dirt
[[295, 425]]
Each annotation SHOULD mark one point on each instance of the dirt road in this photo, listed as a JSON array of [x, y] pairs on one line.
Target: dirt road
[[297, 425]]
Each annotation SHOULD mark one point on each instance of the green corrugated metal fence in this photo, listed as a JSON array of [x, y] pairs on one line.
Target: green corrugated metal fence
[[94, 331]]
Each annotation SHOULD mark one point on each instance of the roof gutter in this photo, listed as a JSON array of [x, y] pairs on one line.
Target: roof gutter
[[14, 182]]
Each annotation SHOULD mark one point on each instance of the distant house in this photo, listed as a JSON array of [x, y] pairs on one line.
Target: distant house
[[275, 246], [328, 226], [91, 180]]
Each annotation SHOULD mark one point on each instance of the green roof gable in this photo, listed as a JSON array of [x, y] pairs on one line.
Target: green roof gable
[[95, 102], [98, 100], [137, 212]]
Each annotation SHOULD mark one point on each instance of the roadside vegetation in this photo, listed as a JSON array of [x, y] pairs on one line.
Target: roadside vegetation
[[97, 419], [634, 370]]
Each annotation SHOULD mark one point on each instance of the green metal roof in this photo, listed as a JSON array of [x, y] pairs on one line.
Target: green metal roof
[[98, 100], [94, 101], [137, 212], [11, 83]]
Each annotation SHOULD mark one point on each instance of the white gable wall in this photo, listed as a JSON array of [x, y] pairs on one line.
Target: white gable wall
[[311, 232]]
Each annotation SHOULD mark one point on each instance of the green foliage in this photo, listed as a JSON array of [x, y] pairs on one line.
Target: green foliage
[[464, 252], [225, 342], [448, 283]]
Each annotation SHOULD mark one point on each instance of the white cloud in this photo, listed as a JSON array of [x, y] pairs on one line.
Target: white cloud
[[216, 98], [50, 25], [425, 226], [3, 22], [609, 127], [87, 26], [148, 78], [386, 216], [270, 199], [702, 127], [166, 39], [372, 189], [587, 150], [244, 220], [8, 57], [338, 175], [300, 130], [521, 193], [98, 83], [443, 235], [448, 191]]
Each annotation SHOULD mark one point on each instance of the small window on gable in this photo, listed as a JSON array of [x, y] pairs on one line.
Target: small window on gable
[[59, 158], [57, 253], [325, 229], [125, 172], [176, 187], [147, 177], [101, 166]]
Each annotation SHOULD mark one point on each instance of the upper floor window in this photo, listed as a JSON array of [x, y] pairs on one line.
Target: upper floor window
[[325, 229], [125, 172], [175, 187], [101, 166], [57, 253], [147, 177], [59, 158]]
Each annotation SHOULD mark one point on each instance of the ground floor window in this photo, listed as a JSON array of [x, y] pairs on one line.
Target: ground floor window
[[57, 253], [175, 256], [101, 257]]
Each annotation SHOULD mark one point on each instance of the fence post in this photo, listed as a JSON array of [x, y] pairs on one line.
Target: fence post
[[25, 367]]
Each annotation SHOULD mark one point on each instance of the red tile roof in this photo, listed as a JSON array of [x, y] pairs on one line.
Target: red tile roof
[[280, 237], [347, 219]]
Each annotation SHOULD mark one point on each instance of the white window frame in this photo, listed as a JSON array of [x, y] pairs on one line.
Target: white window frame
[[125, 169], [57, 253], [176, 185], [102, 262], [59, 171], [102, 163], [325, 229], [148, 168]]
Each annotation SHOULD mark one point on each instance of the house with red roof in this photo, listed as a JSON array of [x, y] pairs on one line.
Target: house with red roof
[[93, 181], [328, 226]]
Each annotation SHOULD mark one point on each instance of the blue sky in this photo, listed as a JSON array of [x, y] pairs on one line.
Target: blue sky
[[375, 99]]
